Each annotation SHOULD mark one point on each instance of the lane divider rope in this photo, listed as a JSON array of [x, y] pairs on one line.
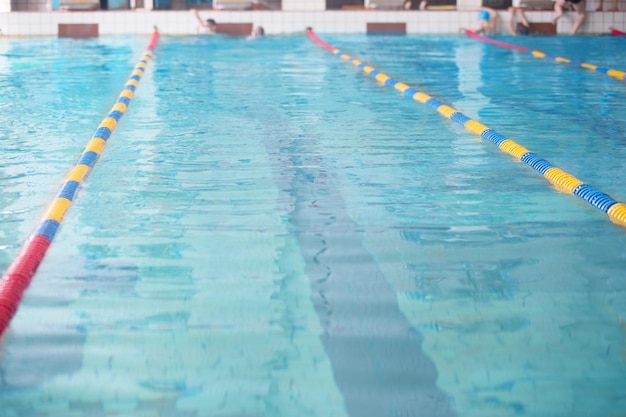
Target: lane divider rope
[[21, 271], [560, 179], [617, 32], [620, 75]]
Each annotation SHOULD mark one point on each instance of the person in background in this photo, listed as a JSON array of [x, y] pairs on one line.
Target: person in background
[[578, 5], [257, 32], [207, 27], [408, 4], [517, 9], [487, 20]]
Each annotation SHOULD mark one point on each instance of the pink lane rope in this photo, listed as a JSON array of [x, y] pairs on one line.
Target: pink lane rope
[[476, 36], [314, 38]]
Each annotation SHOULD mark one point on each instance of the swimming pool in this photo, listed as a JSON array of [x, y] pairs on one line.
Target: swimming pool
[[270, 233]]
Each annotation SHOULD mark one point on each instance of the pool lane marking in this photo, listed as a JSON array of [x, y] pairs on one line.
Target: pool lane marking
[[561, 180], [620, 75], [21, 271]]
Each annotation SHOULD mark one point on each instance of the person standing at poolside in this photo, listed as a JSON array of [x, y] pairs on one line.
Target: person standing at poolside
[[516, 9], [207, 27], [578, 5], [408, 4]]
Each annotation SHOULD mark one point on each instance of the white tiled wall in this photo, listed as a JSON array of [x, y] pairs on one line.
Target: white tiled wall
[[141, 21], [302, 5]]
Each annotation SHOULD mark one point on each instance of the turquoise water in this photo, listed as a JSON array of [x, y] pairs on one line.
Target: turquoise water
[[269, 232]]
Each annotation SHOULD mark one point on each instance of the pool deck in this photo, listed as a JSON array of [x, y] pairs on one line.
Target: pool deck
[[179, 23]]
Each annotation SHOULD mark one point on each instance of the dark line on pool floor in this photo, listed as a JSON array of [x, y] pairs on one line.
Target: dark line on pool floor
[[376, 354]]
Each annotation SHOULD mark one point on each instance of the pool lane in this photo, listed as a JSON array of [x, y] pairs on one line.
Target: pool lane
[[18, 276], [376, 354], [561, 180]]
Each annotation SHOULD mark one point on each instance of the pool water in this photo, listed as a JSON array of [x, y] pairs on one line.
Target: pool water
[[269, 232]]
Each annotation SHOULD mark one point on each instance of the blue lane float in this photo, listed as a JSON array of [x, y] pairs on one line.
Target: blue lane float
[[562, 181]]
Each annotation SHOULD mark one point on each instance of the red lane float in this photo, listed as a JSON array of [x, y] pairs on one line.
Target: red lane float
[[18, 276], [616, 32]]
